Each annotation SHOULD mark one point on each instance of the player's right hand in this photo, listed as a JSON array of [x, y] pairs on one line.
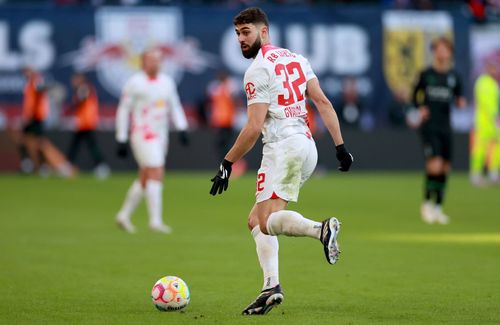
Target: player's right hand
[[344, 157], [122, 150], [221, 180], [425, 113]]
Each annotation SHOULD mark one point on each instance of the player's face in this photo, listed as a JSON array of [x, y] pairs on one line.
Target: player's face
[[76, 80], [442, 52], [28, 72], [249, 38], [491, 69], [151, 62]]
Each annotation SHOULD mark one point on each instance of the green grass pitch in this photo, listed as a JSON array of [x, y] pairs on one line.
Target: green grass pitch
[[63, 261]]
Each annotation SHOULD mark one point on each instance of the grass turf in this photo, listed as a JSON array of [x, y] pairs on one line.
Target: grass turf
[[64, 261]]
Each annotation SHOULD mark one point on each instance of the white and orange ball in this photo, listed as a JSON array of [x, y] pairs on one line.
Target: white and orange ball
[[170, 293]]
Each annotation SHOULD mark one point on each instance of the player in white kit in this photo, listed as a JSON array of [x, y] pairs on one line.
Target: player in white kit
[[150, 101], [277, 84]]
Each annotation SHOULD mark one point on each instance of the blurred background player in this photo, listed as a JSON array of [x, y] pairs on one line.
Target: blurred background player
[[438, 86], [223, 101], [36, 149], [486, 131], [86, 108], [150, 98], [289, 153]]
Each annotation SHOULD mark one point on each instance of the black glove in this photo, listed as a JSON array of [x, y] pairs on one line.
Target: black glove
[[344, 157], [184, 138], [122, 150], [221, 180]]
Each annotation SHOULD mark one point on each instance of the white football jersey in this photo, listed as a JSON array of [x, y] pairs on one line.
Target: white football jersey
[[151, 104], [278, 77]]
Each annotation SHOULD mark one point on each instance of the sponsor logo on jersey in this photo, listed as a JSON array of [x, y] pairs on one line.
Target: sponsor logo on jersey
[[250, 91]]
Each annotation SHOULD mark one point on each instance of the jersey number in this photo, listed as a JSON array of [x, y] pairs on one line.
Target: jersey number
[[261, 178], [294, 94]]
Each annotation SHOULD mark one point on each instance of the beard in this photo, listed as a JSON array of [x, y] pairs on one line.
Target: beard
[[252, 51]]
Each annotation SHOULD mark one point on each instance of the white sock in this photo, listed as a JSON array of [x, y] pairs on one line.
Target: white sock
[[154, 201], [267, 252], [134, 195], [291, 223]]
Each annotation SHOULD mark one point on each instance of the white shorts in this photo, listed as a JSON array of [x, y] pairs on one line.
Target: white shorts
[[285, 167], [149, 153]]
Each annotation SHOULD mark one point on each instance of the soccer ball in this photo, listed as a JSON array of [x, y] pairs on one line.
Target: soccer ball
[[170, 293]]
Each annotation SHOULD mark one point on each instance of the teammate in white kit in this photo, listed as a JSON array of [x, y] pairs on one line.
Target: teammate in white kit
[[151, 101], [277, 84]]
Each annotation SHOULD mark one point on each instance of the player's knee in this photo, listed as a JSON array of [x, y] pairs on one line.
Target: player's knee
[[253, 221], [435, 166], [263, 223], [263, 228]]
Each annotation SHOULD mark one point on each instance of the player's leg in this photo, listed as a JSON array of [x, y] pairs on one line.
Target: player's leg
[[440, 216], [442, 179], [132, 199], [433, 166], [274, 220], [154, 198], [494, 172], [30, 141], [478, 158], [91, 140], [435, 186], [101, 169], [294, 162], [74, 146], [267, 252]]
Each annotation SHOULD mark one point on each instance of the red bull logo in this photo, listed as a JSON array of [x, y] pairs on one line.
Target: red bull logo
[[121, 37]]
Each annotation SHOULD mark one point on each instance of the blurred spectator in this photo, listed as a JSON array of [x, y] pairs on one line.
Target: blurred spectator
[[399, 107], [223, 94], [36, 149], [86, 109], [478, 10], [350, 106], [484, 10]]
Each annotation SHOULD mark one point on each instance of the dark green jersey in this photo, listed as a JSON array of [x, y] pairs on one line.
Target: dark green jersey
[[437, 91]]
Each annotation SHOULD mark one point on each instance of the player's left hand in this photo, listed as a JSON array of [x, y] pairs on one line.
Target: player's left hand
[[184, 138], [221, 180], [344, 157], [122, 150]]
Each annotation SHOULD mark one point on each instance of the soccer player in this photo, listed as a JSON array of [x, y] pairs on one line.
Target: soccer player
[[277, 84], [438, 86], [151, 98], [86, 109], [486, 130]]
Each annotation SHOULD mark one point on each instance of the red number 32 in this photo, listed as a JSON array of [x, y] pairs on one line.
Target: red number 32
[[294, 94]]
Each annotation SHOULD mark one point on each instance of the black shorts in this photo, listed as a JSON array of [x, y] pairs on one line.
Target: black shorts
[[437, 144], [34, 127]]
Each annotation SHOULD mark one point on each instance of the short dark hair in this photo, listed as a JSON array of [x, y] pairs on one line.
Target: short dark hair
[[251, 15], [442, 40]]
